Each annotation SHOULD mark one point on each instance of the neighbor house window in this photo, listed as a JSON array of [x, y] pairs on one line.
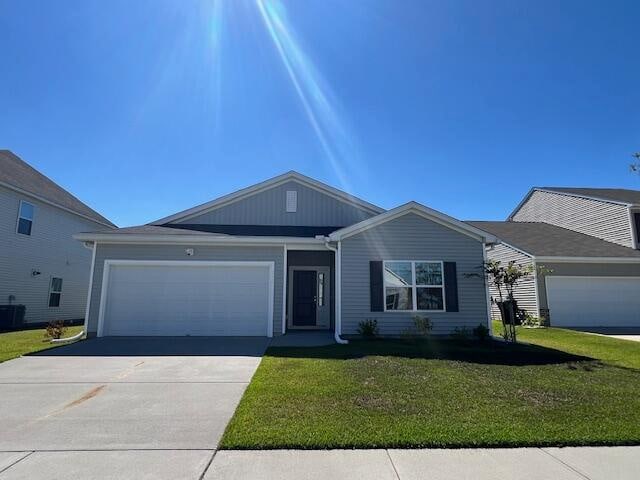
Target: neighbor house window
[[25, 218], [413, 286], [55, 292]]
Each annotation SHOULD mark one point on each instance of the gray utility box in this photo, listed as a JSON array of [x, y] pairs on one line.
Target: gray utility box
[[12, 317]]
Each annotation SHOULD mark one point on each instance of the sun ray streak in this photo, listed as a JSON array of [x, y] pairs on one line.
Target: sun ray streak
[[312, 92]]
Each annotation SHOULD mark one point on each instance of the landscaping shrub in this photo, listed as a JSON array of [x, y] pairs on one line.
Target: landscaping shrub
[[530, 321], [56, 329], [481, 333], [368, 328], [422, 325], [460, 334]]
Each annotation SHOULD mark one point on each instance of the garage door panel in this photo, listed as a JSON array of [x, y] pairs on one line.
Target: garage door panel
[[193, 299], [594, 301]]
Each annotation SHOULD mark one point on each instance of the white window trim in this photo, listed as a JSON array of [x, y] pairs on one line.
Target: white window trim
[[51, 290], [413, 286], [20, 217]]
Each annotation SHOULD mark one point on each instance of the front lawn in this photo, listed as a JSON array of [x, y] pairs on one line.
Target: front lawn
[[438, 394], [15, 344], [624, 353]]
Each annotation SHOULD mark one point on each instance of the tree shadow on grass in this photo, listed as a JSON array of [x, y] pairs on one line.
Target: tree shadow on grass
[[490, 352]]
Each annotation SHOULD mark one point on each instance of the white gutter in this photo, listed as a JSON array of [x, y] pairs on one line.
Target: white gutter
[[191, 239], [587, 259], [338, 292], [486, 289]]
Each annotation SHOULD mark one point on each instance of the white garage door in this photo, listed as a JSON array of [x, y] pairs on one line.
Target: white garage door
[[187, 298], [594, 301]]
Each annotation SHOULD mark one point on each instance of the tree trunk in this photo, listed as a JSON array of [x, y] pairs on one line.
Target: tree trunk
[[508, 314]]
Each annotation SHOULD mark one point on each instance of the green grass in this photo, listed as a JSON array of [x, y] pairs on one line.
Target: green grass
[[437, 394], [15, 344], [614, 351]]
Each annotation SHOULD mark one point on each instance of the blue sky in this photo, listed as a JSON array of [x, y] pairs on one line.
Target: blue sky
[[145, 108]]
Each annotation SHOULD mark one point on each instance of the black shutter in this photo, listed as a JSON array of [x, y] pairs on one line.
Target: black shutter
[[451, 286], [375, 284]]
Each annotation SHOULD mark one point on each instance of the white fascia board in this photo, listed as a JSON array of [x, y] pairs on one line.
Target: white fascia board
[[616, 260], [267, 184], [519, 250], [418, 209], [53, 204], [522, 202], [193, 239]]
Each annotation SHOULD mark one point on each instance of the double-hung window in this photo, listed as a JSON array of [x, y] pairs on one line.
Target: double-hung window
[[414, 286], [55, 292], [25, 218]]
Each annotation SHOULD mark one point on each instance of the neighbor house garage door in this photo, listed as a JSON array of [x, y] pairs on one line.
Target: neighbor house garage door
[[187, 298], [594, 301]]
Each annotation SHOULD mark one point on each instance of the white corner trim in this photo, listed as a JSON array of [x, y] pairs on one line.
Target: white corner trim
[[487, 293], [189, 263], [284, 290], [91, 271], [420, 210], [265, 185], [632, 227], [535, 287], [337, 330]]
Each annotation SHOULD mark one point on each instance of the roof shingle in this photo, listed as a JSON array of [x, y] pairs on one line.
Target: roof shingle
[[545, 240], [17, 173]]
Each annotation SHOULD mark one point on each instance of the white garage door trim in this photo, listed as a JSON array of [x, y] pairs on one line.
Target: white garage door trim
[[188, 263], [582, 277]]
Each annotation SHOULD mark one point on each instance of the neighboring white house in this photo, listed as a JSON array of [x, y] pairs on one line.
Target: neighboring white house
[[586, 240], [41, 266]]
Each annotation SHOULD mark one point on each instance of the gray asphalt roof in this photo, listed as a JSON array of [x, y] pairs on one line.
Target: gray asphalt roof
[[615, 194], [17, 173], [545, 240], [157, 230]]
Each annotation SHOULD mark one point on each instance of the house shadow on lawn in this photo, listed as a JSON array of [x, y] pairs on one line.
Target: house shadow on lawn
[[491, 352]]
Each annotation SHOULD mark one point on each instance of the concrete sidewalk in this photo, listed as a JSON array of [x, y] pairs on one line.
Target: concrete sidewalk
[[593, 463]]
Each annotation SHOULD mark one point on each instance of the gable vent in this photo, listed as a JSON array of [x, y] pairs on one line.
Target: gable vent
[[292, 201]]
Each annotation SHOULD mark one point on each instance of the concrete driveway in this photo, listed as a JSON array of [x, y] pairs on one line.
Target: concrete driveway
[[156, 407]]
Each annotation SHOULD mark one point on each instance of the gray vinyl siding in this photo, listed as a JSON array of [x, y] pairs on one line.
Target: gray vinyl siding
[[51, 250], [177, 252], [411, 237], [583, 269], [268, 208], [525, 290], [604, 220]]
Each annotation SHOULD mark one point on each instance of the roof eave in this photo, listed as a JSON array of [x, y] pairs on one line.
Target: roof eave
[[265, 185], [569, 259], [421, 210], [56, 205], [125, 238]]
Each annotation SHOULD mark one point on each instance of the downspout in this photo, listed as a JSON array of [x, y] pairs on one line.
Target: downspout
[[338, 287], [486, 286]]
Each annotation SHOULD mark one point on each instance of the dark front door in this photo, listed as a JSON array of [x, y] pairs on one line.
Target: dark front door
[[304, 298]]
